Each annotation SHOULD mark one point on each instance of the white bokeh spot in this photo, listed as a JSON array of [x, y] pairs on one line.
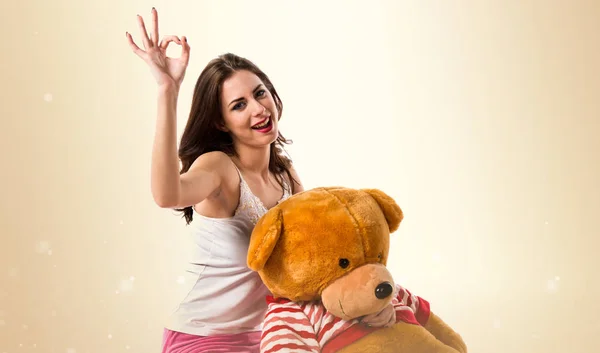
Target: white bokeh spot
[[48, 97], [552, 285], [42, 247], [71, 350], [497, 324], [126, 285], [181, 280]]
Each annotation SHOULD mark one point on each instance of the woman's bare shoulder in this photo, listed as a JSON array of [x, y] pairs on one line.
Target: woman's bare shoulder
[[211, 159], [223, 199]]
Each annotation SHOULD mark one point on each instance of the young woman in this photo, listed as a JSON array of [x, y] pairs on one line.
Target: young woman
[[233, 171]]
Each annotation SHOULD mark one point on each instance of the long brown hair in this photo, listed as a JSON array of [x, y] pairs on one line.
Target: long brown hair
[[201, 134]]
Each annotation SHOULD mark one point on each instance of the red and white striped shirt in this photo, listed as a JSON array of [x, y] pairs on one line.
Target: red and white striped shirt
[[309, 327]]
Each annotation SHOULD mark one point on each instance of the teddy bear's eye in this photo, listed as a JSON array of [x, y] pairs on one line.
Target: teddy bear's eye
[[344, 263], [380, 256]]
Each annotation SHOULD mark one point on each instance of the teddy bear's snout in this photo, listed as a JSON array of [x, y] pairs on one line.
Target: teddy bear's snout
[[364, 290], [383, 290]]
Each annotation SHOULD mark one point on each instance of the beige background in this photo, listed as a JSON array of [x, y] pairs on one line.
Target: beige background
[[480, 117]]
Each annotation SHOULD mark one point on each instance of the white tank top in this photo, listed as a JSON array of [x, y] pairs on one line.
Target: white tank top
[[226, 297]]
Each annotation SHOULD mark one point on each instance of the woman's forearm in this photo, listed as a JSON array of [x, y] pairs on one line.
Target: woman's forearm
[[165, 180]]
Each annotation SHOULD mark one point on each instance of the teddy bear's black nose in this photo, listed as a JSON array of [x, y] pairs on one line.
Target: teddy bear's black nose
[[383, 290]]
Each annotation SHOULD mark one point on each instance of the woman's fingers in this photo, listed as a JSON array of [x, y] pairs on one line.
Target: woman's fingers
[[139, 52], [385, 317], [154, 30], [164, 43], [185, 52], [145, 40]]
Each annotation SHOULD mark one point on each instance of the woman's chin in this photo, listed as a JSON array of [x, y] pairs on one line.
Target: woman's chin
[[262, 139], [270, 137]]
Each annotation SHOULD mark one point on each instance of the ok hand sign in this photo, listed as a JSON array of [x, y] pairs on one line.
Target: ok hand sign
[[166, 70]]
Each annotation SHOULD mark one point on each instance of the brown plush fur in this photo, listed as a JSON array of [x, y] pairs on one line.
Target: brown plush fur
[[331, 244], [321, 226], [344, 300], [400, 338]]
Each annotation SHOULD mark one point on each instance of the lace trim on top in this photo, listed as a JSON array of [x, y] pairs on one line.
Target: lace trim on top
[[250, 205]]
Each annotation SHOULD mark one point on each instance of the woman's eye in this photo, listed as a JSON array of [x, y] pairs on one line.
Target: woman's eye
[[238, 106], [260, 93]]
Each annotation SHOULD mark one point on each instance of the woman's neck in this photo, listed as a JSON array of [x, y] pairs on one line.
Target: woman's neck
[[254, 160]]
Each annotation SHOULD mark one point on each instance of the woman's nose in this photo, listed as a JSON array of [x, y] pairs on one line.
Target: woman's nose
[[258, 109]]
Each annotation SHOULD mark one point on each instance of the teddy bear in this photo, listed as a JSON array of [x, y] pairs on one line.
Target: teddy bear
[[322, 253]]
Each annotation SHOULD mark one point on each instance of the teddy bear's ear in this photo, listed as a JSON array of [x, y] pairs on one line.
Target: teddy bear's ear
[[264, 238], [392, 212]]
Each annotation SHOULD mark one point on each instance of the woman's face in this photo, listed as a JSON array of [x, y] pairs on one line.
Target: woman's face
[[249, 110]]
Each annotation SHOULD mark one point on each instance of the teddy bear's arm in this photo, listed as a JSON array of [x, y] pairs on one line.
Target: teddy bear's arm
[[443, 332], [426, 318], [287, 328]]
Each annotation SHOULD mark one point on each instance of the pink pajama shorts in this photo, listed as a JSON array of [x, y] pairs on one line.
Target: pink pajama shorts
[[177, 342]]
